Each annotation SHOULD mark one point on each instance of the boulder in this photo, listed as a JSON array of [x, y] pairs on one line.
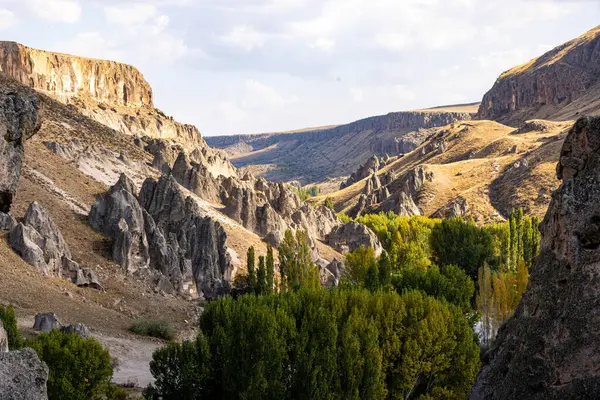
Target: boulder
[[3, 339], [352, 235], [22, 376], [77, 329], [46, 322], [19, 120], [550, 347]]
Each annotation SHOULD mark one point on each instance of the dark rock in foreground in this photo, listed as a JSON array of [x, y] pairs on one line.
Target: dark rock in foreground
[[22, 376]]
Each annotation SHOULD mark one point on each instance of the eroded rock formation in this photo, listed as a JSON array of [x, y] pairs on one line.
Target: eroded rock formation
[[40, 243], [550, 348], [19, 120], [352, 235]]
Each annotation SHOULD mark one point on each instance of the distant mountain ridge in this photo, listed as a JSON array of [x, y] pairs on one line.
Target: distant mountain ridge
[[314, 155]]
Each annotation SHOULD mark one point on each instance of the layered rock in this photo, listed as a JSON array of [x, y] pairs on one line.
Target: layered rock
[[64, 76], [543, 86], [352, 235], [22, 376], [19, 120], [548, 350]]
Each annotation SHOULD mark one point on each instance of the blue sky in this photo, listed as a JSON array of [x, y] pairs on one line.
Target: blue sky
[[245, 66]]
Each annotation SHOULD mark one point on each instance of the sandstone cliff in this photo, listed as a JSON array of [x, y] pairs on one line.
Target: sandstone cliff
[[314, 155], [551, 347], [64, 76], [558, 85]]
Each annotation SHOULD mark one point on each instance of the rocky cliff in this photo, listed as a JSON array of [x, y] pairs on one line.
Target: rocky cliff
[[64, 76], [551, 347], [557, 85], [314, 155]]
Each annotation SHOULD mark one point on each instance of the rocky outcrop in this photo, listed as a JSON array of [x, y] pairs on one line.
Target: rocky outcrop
[[196, 244], [19, 120], [40, 243], [548, 350], [348, 146], [541, 87], [370, 167], [118, 215], [64, 76], [77, 329], [458, 207], [3, 339], [196, 177], [7, 222], [352, 235], [22, 376]]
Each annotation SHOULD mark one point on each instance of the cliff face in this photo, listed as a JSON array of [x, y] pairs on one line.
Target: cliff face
[[551, 347], [64, 76], [545, 87], [312, 156]]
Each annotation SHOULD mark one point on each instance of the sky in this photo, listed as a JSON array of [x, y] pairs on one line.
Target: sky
[[248, 66]]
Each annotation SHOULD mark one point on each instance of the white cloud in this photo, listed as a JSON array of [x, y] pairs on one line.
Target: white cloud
[[130, 14], [7, 19], [245, 37], [67, 11], [322, 44], [259, 95]]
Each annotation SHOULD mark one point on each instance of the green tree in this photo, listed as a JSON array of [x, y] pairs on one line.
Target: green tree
[[385, 270], [181, 371], [270, 261], [252, 279], [9, 320], [485, 304], [295, 262], [261, 286], [80, 369], [458, 242], [357, 264]]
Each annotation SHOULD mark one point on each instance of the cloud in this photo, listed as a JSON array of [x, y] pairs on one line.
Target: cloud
[[67, 11], [245, 37], [130, 14], [7, 19]]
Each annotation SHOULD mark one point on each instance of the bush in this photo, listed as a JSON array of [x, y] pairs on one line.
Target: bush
[[181, 371], [8, 318], [148, 327], [329, 203], [80, 369]]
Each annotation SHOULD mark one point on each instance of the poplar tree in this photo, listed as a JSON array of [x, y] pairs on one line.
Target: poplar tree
[[270, 280], [251, 271], [261, 276]]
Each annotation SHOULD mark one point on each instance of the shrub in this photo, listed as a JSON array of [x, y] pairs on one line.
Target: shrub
[[329, 203], [154, 328], [181, 371], [8, 318], [80, 369]]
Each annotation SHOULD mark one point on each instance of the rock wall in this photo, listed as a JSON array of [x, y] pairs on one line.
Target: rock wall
[[19, 120], [540, 87], [64, 76], [551, 347]]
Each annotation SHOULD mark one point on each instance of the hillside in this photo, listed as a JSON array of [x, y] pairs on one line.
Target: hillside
[[559, 85], [480, 169], [315, 155]]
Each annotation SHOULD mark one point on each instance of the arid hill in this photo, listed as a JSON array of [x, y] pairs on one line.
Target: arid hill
[[559, 85], [315, 155], [473, 168]]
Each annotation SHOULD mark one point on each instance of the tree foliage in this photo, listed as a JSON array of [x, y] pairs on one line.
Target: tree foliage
[[336, 344], [295, 262], [80, 369], [9, 320]]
